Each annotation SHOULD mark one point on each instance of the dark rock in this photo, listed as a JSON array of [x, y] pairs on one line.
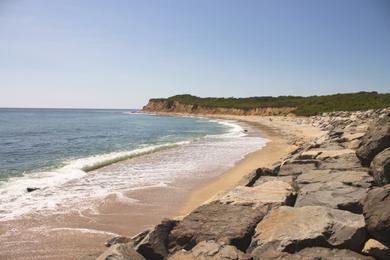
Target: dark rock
[[313, 253], [210, 250], [32, 189], [252, 177], [288, 229], [120, 252], [229, 224], [375, 140], [376, 210], [380, 167], [155, 244], [376, 249], [333, 195]]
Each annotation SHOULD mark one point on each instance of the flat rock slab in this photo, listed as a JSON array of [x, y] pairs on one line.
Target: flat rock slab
[[210, 250], [297, 167], [343, 162], [357, 178], [271, 193], [376, 210], [288, 229], [229, 224], [289, 179], [314, 253], [333, 195]]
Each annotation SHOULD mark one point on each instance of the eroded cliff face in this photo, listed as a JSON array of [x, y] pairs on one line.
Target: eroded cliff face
[[170, 106]]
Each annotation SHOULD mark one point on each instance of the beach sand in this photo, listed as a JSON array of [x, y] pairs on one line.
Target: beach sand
[[76, 234]]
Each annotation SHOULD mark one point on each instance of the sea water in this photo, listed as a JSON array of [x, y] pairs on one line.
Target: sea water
[[75, 155]]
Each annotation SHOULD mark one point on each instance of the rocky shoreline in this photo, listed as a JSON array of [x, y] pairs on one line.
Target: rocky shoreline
[[329, 199]]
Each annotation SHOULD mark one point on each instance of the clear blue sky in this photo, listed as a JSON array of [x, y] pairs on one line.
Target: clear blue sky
[[118, 54]]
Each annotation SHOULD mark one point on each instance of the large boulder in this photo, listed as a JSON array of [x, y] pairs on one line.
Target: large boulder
[[331, 194], [120, 252], [375, 140], [268, 194], [376, 249], [229, 224], [290, 179], [357, 178], [376, 211], [313, 253], [154, 244], [288, 229], [210, 250], [380, 167]]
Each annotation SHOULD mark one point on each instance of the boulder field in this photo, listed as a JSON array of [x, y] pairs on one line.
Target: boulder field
[[329, 199]]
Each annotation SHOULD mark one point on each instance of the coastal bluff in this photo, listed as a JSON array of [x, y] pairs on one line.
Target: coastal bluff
[[328, 199], [172, 106]]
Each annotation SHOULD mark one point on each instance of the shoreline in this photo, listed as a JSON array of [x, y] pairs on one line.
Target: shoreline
[[65, 236]]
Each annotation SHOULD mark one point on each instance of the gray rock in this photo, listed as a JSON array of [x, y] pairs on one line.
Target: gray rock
[[376, 211], [229, 224], [289, 179], [121, 252], [155, 244], [357, 178], [376, 249], [380, 167], [333, 195], [375, 140], [265, 195], [288, 229], [117, 240], [210, 250]]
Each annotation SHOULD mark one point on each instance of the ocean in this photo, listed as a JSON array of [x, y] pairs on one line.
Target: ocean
[[77, 155]]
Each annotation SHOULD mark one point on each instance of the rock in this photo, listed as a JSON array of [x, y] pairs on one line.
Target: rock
[[313, 253], [32, 189], [117, 240], [357, 178], [210, 250], [229, 224], [297, 167], [334, 153], [343, 162], [380, 167], [333, 195], [288, 229], [268, 194], [376, 249], [289, 179], [350, 136], [155, 244], [353, 144], [375, 140], [121, 252], [252, 177], [376, 211]]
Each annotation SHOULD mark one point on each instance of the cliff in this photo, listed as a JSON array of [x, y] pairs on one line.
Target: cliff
[[172, 106]]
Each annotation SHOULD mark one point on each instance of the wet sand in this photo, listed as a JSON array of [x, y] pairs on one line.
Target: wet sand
[[82, 233]]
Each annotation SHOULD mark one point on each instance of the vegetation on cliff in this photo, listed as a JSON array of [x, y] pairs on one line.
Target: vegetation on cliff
[[305, 106]]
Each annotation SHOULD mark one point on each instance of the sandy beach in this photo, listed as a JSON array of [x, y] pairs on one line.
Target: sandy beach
[[76, 234]]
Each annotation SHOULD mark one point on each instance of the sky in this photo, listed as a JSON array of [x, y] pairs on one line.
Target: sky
[[120, 53]]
